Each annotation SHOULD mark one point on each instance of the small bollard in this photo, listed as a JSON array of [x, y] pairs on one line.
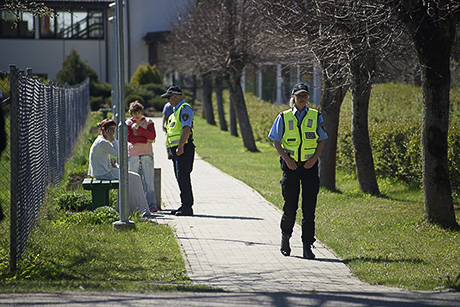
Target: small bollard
[[158, 187]]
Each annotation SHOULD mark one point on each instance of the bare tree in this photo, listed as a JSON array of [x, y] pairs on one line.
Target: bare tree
[[187, 51], [432, 27], [344, 36], [222, 46]]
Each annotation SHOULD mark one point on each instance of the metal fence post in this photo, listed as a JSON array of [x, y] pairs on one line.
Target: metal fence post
[[14, 155]]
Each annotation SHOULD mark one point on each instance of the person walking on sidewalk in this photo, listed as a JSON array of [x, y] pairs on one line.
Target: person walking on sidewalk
[[179, 140], [298, 137], [141, 134]]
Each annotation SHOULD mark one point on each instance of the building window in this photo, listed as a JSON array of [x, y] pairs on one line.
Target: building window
[[76, 24], [95, 24], [19, 25]]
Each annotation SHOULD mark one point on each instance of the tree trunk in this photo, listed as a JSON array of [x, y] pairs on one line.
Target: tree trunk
[[362, 67], [433, 36], [239, 105], [434, 55], [331, 101], [208, 112], [232, 113], [220, 105]]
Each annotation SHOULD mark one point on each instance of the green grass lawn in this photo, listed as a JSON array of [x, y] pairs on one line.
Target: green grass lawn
[[384, 240], [69, 251]]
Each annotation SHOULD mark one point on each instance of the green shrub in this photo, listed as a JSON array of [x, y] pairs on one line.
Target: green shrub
[[97, 102], [157, 102], [138, 92], [134, 97], [101, 215], [155, 88], [453, 156], [74, 70], [187, 95], [102, 89], [75, 202], [5, 86], [146, 74], [396, 150]]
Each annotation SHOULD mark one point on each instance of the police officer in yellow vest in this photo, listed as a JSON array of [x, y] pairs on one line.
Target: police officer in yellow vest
[[299, 138], [179, 140]]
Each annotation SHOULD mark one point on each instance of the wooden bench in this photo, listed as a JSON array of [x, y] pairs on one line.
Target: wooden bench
[[99, 190], [105, 111]]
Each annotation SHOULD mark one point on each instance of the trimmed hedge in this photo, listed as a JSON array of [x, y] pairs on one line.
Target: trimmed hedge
[[396, 151]]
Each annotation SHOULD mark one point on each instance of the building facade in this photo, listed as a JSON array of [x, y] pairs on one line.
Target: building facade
[[43, 43]]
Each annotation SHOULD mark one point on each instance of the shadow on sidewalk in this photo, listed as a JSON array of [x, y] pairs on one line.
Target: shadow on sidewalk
[[225, 217]]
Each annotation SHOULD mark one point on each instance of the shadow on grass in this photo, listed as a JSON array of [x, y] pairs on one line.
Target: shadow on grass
[[383, 260]]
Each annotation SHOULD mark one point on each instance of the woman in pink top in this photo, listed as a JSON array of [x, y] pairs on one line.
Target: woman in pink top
[[141, 134]]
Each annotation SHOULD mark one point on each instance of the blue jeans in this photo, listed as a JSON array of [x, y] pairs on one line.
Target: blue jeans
[[143, 165]]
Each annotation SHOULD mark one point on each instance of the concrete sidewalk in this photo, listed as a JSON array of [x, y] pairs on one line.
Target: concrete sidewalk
[[233, 240]]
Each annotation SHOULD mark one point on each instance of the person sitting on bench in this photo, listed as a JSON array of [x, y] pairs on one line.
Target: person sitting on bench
[[102, 167]]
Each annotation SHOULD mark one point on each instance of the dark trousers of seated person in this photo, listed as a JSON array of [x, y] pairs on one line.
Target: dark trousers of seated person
[[183, 166], [290, 184]]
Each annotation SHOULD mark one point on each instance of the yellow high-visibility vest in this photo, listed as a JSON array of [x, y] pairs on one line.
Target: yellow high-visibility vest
[[174, 128], [300, 142]]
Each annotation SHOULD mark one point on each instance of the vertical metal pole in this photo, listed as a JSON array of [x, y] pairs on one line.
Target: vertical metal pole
[[113, 70], [122, 127], [14, 152]]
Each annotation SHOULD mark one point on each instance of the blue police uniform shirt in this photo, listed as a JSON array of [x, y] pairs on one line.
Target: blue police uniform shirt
[[186, 115], [168, 109], [277, 130]]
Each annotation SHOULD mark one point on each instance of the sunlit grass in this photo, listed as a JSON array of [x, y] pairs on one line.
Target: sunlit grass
[[63, 256], [384, 240]]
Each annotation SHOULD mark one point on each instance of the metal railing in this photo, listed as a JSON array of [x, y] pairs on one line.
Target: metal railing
[[45, 121]]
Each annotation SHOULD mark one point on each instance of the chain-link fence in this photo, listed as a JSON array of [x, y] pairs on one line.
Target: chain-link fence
[[4, 145], [44, 123]]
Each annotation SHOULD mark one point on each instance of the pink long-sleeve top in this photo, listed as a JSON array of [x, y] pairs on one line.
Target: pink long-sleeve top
[[140, 140]]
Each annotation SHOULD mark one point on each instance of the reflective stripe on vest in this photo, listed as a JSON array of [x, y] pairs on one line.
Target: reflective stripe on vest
[[174, 128], [300, 142]]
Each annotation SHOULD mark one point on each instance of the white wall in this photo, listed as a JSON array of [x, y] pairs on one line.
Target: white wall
[[46, 56], [148, 16]]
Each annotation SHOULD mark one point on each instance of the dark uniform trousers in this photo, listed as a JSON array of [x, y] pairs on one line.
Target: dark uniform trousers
[[183, 166], [290, 185]]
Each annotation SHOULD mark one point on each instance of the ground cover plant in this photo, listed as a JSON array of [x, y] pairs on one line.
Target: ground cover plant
[[383, 239], [73, 248]]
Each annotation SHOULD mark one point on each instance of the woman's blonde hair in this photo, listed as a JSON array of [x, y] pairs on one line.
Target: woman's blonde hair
[[291, 102]]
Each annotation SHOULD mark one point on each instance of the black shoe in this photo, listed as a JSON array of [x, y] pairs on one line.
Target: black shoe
[[184, 212], [307, 253], [285, 248], [173, 212]]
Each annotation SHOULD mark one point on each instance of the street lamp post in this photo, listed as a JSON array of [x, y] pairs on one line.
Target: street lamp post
[[124, 222]]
